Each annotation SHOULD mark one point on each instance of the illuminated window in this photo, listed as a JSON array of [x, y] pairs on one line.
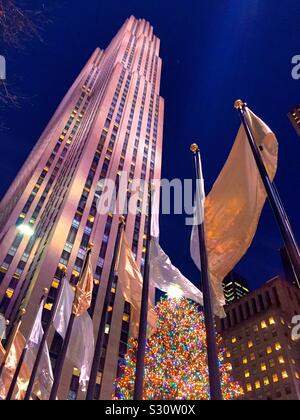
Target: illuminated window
[[250, 344], [126, 317], [247, 374], [263, 325], [277, 346], [257, 385], [109, 309], [255, 328], [297, 375], [55, 284], [281, 360], [263, 367], [233, 340], [107, 329], [249, 387], [275, 378], [269, 350], [228, 354], [252, 357], [48, 306], [272, 321], [229, 366], [266, 381], [284, 374], [76, 372], [245, 360]]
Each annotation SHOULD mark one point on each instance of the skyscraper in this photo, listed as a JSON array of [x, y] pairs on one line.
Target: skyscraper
[[294, 117], [111, 120], [235, 287]]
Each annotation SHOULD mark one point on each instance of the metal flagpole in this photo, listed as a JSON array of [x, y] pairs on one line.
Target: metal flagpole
[[273, 196], [12, 337], [142, 339], [44, 340], [22, 357], [63, 353], [212, 350], [101, 333]]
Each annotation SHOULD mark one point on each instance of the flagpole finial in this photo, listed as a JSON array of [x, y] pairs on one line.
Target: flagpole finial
[[239, 104], [194, 148], [122, 220], [7, 322]]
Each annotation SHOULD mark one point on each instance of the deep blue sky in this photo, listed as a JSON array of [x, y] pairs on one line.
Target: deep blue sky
[[214, 51]]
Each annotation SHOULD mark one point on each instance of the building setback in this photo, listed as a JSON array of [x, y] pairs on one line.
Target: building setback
[[111, 120], [257, 335]]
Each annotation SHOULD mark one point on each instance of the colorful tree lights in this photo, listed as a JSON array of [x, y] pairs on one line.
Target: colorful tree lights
[[175, 364]]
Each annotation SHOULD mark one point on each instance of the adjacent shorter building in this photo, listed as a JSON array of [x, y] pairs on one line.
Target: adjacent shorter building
[[294, 117], [235, 287], [257, 335]]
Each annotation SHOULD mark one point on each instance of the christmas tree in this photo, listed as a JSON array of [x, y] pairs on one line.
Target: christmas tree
[[176, 358]]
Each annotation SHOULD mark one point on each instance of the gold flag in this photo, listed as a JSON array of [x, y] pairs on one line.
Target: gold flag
[[234, 205], [84, 289], [10, 367], [131, 282]]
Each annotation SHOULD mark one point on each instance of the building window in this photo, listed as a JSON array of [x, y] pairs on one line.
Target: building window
[[277, 346], [281, 360], [250, 344], [266, 381], [272, 321], [263, 325], [249, 387], [257, 385], [275, 378], [269, 350], [284, 374], [263, 367], [247, 374], [245, 360]]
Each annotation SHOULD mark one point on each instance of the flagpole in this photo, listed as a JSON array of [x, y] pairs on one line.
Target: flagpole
[[273, 196], [90, 395], [142, 339], [212, 350], [44, 340], [22, 357], [63, 353], [12, 338]]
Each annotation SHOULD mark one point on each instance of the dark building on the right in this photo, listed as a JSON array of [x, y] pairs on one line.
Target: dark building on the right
[[259, 343], [294, 117]]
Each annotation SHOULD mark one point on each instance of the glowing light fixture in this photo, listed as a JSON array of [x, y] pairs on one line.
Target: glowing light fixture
[[174, 292], [26, 229]]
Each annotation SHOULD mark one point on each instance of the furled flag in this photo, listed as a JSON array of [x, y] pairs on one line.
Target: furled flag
[[82, 345], [44, 379], [10, 367], [84, 289], [234, 205], [131, 284], [163, 274]]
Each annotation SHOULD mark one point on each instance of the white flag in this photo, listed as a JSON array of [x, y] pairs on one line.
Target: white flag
[[81, 347], [234, 205], [44, 378], [166, 277]]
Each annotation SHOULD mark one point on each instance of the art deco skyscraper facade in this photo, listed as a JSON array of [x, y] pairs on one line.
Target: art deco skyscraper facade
[[111, 120]]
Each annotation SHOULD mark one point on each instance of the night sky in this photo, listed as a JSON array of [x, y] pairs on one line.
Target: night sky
[[213, 51]]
